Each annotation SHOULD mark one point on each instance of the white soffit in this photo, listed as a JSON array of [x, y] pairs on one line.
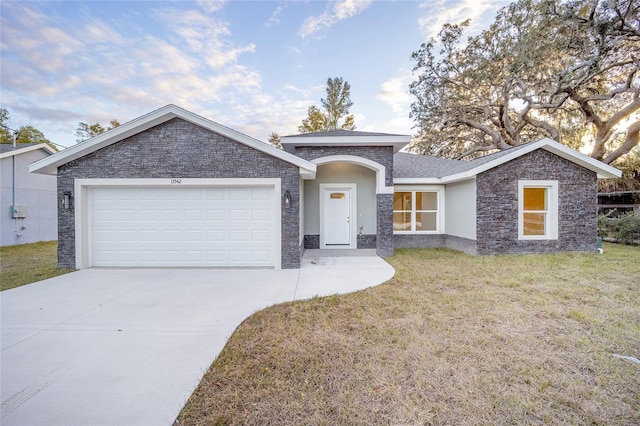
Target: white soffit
[[50, 164]]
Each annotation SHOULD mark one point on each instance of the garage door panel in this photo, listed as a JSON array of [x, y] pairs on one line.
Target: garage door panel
[[258, 235], [187, 226]]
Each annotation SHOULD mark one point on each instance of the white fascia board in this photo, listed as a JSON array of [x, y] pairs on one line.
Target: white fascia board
[[289, 143], [50, 164], [603, 170], [26, 149], [417, 181], [307, 174]]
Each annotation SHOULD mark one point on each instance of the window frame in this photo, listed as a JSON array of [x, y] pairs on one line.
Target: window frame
[[439, 209], [551, 216]]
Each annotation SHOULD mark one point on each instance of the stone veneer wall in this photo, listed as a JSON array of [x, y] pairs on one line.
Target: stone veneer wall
[[364, 241], [497, 205], [384, 215], [435, 241], [179, 149], [367, 241], [311, 242]]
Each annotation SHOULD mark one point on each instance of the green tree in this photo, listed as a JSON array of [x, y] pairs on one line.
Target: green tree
[[630, 180], [316, 121], [5, 133], [86, 131], [568, 70], [336, 107], [25, 134], [274, 139]]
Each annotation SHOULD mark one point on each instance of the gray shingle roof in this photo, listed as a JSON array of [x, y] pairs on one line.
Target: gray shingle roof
[[340, 133], [6, 147], [422, 166]]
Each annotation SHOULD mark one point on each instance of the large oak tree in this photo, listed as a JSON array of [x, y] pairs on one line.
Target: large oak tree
[[568, 70]]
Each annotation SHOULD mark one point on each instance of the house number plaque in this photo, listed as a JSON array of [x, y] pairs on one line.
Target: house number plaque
[[176, 181]]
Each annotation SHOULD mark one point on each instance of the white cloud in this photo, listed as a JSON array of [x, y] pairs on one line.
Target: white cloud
[[95, 72], [296, 90], [440, 12], [274, 19], [97, 31], [395, 92], [211, 6], [335, 12], [205, 36]]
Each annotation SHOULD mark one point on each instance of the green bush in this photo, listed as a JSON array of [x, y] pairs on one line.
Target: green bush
[[624, 229], [630, 227]]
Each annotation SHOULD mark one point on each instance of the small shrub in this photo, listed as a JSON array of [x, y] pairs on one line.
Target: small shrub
[[624, 228], [629, 230]]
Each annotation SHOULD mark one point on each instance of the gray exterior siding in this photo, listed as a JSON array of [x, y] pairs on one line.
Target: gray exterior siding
[[497, 205], [35, 191], [179, 149]]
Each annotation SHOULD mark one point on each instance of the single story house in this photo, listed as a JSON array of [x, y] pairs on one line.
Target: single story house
[[27, 201], [172, 188]]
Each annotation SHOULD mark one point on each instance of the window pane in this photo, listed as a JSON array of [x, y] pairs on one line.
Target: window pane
[[402, 201], [402, 221], [426, 221], [535, 199], [426, 201], [534, 224]]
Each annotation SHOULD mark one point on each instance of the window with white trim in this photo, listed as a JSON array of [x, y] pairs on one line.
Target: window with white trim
[[537, 209], [417, 211]]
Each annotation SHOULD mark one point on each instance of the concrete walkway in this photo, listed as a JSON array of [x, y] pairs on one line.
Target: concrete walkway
[[128, 346]]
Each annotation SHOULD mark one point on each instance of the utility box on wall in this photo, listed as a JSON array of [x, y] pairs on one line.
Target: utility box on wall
[[19, 212]]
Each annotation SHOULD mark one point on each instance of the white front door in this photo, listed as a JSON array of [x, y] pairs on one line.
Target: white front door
[[338, 221]]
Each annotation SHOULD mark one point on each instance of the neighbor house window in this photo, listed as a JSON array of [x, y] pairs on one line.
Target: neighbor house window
[[537, 210], [416, 211]]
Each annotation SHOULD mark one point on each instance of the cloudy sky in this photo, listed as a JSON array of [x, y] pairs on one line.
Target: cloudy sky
[[254, 66]]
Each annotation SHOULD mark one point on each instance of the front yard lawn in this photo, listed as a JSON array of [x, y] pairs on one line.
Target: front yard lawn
[[451, 339], [28, 263]]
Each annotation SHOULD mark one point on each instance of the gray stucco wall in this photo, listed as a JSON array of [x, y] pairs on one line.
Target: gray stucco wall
[[384, 202], [497, 205], [365, 180], [179, 149], [35, 191]]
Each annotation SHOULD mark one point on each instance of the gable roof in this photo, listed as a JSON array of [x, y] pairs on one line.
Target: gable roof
[[7, 150], [430, 172], [345, 138], [50, 164]]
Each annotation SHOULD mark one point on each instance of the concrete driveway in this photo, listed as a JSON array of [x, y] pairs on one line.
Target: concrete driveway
[[128, 347]]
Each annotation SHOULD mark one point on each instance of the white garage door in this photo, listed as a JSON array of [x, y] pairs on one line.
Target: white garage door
[[183, 226]]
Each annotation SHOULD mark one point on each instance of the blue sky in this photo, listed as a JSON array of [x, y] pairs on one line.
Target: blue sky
[[254, 66]]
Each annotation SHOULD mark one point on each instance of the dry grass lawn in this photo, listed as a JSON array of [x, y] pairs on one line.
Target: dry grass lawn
[[451, 339], [28, 263]]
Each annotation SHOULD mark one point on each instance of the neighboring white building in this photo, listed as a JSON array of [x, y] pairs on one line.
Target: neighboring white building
[[34, 217]]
